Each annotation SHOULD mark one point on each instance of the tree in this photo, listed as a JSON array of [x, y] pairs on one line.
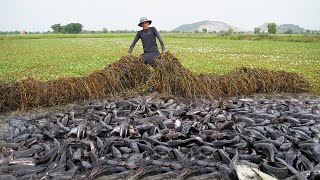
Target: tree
[[196, 31], [257, 30], [104, 30], [73, 28], [272, 28], [204, 30], [289, 31], [230, 31], [57, 28]]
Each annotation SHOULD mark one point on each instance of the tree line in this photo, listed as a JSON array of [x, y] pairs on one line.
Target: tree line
[[272, 29], [76, 28], [72, 28]]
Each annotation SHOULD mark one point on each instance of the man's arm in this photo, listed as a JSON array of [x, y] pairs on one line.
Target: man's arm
[[134, 43], [159, 38]]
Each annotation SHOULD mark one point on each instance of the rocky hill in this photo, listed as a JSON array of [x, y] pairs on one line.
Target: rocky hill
[[295, 28], [211, 26], [283, 28]]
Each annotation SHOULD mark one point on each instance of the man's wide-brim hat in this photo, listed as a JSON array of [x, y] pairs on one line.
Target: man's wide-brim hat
[[144, 19]]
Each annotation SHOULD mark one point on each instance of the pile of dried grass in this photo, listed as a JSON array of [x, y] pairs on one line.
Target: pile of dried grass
[[9, 97], [128, 72], [172, 78]]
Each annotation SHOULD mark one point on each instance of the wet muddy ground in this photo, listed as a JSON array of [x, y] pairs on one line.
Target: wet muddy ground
[[153, 137]]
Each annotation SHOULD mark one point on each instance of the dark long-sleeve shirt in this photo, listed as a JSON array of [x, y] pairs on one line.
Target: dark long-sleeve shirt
[[149, 42]]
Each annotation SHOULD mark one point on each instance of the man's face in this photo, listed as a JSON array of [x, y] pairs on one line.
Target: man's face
[[145, 25]]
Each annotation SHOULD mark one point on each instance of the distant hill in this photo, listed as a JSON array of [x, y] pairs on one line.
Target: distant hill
[[211, 26], [283, 28], [295, 28]]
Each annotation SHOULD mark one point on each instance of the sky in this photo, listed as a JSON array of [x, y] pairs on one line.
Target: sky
[[39, 15]]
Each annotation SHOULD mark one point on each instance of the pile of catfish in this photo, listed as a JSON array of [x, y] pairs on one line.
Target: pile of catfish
[[152, 137]]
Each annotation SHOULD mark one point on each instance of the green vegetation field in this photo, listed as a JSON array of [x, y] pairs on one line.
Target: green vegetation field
[[48, 57]]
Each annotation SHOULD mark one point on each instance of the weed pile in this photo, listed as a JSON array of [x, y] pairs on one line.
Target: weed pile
[[129, 72], [172, 78], [126, 73]]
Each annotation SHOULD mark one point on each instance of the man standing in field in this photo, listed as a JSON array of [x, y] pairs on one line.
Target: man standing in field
[[148, 37]]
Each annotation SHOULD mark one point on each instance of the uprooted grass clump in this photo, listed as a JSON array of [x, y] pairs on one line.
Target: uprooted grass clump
[[173, 78], [129, 72]]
